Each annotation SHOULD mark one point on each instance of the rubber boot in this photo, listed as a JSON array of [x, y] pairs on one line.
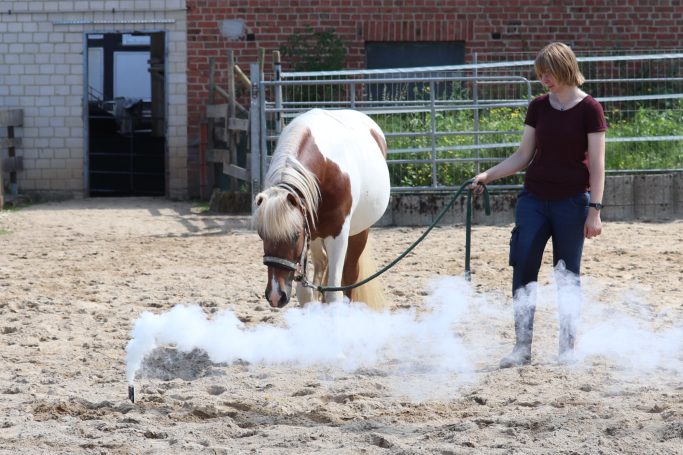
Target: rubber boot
[[569, 308], [567, 338], [524, 331]]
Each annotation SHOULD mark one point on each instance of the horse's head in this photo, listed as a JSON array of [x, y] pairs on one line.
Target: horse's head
[[281, 223]]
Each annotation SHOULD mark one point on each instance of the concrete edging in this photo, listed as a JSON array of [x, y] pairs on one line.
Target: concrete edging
[[627, 197]]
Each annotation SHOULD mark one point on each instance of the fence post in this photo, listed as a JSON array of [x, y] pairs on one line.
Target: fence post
[[277, 68], [475, 100], [255, 131], [432, 102], [230, 134]]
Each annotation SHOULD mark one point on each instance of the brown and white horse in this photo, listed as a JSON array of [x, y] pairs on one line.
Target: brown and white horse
[[327, 183]]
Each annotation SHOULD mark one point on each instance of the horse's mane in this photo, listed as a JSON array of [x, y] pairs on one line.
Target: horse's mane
[[275, 217]]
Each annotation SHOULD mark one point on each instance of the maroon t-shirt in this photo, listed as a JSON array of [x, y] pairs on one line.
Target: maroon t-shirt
[[559, 168]]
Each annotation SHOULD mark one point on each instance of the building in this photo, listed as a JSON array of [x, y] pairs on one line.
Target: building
[[59, 58]]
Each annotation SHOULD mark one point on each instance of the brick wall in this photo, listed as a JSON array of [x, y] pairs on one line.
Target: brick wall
[[485, 27], [42, 71]]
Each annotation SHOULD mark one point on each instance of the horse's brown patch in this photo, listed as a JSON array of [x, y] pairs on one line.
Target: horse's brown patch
[[380, 142], [335, 188], [353, 252]]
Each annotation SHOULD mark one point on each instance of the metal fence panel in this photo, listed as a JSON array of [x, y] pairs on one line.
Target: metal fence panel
[[444, 124]]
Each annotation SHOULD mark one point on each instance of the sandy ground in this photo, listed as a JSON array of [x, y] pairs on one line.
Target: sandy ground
[[76, 275]]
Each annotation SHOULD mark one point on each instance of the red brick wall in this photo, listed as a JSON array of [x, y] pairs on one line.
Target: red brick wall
[[484, 26]]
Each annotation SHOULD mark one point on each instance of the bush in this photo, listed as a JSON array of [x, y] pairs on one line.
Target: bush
[[507, 124]]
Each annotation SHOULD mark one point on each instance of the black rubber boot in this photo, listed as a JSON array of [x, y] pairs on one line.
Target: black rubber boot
[[524, 331]]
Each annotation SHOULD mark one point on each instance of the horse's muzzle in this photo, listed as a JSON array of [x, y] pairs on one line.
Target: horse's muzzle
[[277, 298]]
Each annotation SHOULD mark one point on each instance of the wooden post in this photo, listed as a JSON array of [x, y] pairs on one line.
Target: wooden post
[[261, 58]]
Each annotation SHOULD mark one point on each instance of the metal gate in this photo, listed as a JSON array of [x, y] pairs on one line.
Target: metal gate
[[444, 124]]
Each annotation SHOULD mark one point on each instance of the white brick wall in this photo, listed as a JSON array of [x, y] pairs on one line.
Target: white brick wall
[[42, 70]]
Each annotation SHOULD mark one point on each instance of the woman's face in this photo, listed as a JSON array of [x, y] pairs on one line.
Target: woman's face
[[549, 82]]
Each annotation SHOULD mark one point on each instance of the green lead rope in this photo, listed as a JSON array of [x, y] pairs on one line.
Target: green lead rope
[[468, 223]]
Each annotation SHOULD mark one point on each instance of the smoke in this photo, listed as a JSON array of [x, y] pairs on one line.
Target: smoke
[[349, 336], [632, 342], [459, 334]]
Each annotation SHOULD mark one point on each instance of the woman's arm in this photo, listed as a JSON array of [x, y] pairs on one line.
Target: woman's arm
[[596, 168], [513, 163]]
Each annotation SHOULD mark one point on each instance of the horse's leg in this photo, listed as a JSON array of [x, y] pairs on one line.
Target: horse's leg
[[319, 258], [358, 266], [336, 252], [319, 262], [353, 252]]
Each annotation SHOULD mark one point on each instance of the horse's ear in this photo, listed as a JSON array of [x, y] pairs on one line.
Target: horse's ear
[[259, 199]]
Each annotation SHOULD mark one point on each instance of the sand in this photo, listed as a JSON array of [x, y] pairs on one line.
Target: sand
[[76, 275]]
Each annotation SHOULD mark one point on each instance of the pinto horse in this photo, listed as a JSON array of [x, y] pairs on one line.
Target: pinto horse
[[327, 183]]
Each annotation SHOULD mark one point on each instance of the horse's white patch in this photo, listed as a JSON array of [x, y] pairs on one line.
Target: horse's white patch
[[274, 290]]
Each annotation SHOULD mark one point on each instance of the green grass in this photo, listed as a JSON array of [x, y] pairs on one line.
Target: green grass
[[200, 207]]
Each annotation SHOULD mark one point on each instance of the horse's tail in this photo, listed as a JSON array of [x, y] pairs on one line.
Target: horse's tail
[[371, 293]]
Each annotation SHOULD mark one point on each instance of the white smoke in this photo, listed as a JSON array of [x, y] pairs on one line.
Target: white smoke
[[346, 335], [458, 333]]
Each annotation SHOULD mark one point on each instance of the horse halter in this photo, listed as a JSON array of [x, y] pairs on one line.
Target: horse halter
[[281, 263]]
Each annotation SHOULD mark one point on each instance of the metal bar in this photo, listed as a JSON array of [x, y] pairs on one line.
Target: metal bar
[[255, 133], [230, 139], [507, 79], [277, 67], [475, 98], [431, 69], [263, 126], [433, 118], [114, 21]]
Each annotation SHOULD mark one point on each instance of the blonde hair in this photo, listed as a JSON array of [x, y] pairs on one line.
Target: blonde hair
[[558, 60]]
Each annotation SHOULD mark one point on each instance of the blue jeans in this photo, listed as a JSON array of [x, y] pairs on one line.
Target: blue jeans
[[536, 221]]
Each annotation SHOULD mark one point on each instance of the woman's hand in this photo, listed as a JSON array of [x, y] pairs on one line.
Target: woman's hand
[[479, 182], [593, 226]]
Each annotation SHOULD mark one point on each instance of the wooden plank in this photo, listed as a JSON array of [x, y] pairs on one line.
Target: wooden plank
[[246, 82], [6, 142], [236, 171], [217, 111], [241, 124], [13, 164], [11, 117]]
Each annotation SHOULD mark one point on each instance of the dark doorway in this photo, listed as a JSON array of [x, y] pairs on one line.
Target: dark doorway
[[412, 54], [126, 114], [409, 55]]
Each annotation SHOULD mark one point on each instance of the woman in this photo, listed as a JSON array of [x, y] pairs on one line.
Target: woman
[[563, 145]]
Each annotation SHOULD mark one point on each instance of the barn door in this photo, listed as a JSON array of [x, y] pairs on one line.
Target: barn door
[[126, 114]]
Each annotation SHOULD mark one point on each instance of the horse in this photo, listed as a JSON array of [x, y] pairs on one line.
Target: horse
[[327, 184]]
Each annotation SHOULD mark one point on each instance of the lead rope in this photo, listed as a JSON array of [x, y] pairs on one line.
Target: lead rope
[[468, 222]]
